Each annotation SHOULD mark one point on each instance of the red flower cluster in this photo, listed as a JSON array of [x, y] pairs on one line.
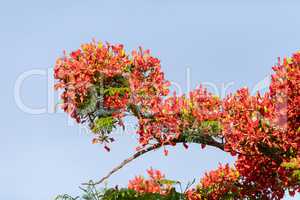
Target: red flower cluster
[[90, 65], [101, 80], [147, 82], [152, 185], [264, 131], [216, 185], [271, 120], [101, 84], [174, 115], [220, 181]]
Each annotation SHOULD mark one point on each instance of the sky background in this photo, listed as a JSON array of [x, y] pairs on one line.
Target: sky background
[[219, 42]]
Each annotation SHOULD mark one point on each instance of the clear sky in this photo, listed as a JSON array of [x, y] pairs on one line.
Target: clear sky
[[215, 42]]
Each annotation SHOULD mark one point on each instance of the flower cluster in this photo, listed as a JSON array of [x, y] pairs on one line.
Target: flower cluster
[[90, 65], [217, 184], [178, 115], [101, 84], [220, 183], [264, 131], [155, 183]]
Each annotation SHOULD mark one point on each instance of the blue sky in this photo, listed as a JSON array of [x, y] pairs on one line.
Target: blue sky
[[233, 43]]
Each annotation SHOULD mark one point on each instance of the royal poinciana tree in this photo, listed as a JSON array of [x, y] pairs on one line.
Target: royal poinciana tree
[[101, 84]]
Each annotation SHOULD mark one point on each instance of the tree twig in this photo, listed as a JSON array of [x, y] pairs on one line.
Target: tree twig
[[126, 161], [204, 140]]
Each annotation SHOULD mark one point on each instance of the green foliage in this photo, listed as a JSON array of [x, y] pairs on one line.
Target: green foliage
[[206, 193], [114, 194], [111, 91], [100, 118], [212, 127], [65, 197], [126, 194], [93, 102], [91, 193], [168, 182], [293, 165], [296, 174], [201, 133], [88, 106], [104, 124]]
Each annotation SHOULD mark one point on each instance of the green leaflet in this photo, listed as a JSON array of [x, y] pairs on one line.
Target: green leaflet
[[167, 182], [197, 134], [114, 90], [296, 174], [126, 194], [214, 127], [122, 194], [88, 106], [294, 166], [105, 124], [90, 103]]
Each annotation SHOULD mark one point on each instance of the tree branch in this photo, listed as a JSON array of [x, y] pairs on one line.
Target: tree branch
[[126, 161], [206, 140]]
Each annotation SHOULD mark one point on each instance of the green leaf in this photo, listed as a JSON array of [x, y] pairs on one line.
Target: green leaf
[[167, 182], [114, 90], [104, 124]]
